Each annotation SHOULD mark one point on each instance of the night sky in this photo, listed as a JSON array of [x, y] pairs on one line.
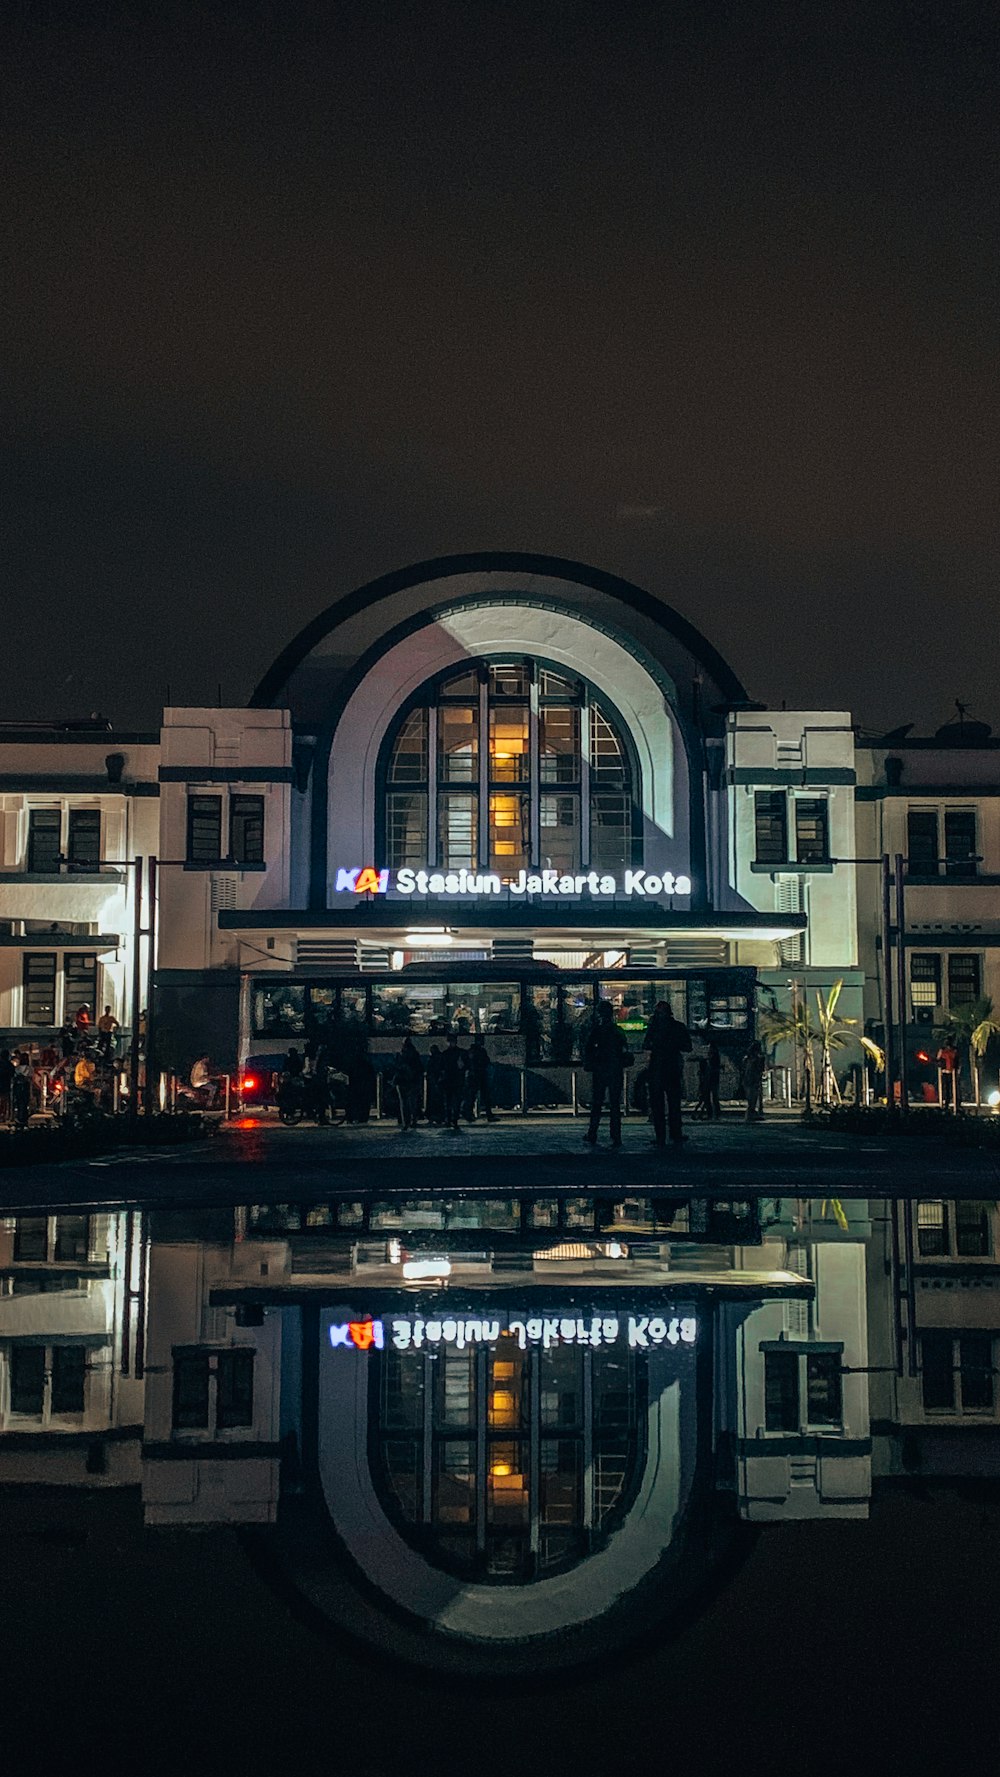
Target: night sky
[[702, 294]]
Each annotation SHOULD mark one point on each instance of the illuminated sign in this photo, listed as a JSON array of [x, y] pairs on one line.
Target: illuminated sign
[[638, 1332], [367, 880]]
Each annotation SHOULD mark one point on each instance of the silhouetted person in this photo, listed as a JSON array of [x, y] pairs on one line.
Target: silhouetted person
[[409, 1079], [668, 1041], [478, 1074], [714, 1058], [753, 1081], [453, 1080], [435, 1085], [6, 1085], [604, 1055]]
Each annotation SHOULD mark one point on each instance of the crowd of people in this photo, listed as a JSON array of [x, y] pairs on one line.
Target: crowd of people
[[79, 1065]]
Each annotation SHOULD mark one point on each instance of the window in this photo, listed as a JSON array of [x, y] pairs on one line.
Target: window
[[771, 827], [39, 987], [922, 841], [234, 1384], [812, 838], [508, 768], [246, 829], [824, 1388], [44, 830], [84, 845], [932, 1230], [781, 1390], [31, 1240], [27, 1379], [972, 1230], [925, 979], [204, 834], [69, 1370], [957, 1372], [960, 842], [80, 977], [191, 1392], [72, 1238], [963, 978]]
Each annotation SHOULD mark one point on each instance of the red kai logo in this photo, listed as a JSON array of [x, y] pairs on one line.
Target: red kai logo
[[367, 881]]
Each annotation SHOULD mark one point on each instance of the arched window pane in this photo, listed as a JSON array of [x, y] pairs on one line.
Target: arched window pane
[[510, 681], [560, 833], [406, 821], [559, 742], [610, 831], [458, 744], [509, 836], [458, 828], [409, 755], [510, 731]]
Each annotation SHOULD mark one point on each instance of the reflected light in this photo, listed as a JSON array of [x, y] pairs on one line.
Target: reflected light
[[420, 1268], [994, 1099], [427, 940]]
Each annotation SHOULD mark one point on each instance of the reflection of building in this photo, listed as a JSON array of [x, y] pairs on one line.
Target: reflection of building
[[71, 1392], [935, 1287]]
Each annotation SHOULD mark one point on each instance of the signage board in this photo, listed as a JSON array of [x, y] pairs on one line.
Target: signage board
[[632, 884], [633, 1332]]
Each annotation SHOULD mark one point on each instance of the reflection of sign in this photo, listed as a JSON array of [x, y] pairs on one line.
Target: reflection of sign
[[461, 883], [639, 1332]]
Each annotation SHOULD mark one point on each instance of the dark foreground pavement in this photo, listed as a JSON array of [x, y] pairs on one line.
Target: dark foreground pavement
[[257, 1160]]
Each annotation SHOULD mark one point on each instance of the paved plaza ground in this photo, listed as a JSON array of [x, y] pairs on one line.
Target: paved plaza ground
[[255, 1158]]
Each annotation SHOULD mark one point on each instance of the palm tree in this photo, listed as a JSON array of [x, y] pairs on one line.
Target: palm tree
[[828, 1034], [974, 1025]]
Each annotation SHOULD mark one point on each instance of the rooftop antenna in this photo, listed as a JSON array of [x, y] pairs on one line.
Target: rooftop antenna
[[963, 710]]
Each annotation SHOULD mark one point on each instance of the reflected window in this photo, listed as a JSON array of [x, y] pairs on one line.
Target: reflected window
[[781, 1390], [505, 768]]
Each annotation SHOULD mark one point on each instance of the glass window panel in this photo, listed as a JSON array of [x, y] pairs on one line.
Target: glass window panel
[[44, 829], [932, 1229], [963, 979], [507, 1403], [824, 1388], [458, 743], [976, 1372], [408, 764], [781, 1390], [31, 1239], [510, 731], [234, 1389], [39, 987], [937, 1372], [543, 1212], [80, 978], [561, 1386], [610, 831], [560, 1476], [403, 1467], [960, 842], [559, 824], [509, 835], [578, 1212], [559, 744], [403, 1390], [454, 1389], [464, 684], [191, 1392], [608, 762], [454, 1499], [246, 829], [541, 1011], [972, 1230], [510, 681], [204, 831], [812, 838], [72, 1238], [922, 841], [406, 828], [69, 1374], [925, 979], [27, 1379], [507, 1483], [457, 831], [552, 684], [83, 846], [771, 827], [279, 1010]]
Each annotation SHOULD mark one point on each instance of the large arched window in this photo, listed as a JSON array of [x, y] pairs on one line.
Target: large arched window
[[507, 768]]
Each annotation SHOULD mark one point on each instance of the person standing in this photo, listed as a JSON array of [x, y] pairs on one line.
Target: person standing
[[107, 1030], [453, 1081], [667, 1041], [714, 1079], [409, 1083], [604, 1055], [435, 1085], [22, 1089], [479, 1071], [753, 1081]]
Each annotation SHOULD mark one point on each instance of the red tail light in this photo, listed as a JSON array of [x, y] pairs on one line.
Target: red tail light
[[249, 1083]]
